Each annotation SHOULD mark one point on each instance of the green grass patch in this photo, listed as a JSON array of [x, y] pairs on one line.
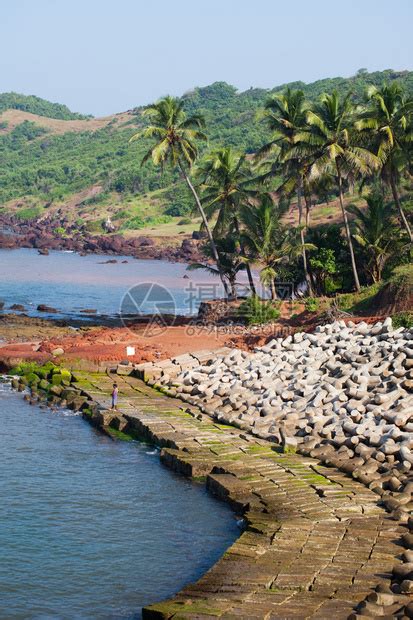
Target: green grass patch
[[402, 277], [28, 213], [359, 302]]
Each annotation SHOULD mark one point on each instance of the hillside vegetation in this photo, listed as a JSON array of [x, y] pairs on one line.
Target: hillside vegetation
[[43, 166], [36, 105]]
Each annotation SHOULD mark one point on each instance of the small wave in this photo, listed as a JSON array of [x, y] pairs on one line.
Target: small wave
[[67, 413]]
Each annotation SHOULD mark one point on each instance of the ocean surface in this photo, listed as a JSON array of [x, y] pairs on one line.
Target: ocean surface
[[70, 283], [92, 528]]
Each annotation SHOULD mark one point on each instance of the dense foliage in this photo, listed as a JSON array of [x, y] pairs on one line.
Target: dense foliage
[[266, 149], [52, 167]]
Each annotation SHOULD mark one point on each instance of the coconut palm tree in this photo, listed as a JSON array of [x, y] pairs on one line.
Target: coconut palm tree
[[175, 135], [231, 261], [375, 233], [268, 240], [285, 116], [334, 151], [388, 122], [226, 181]]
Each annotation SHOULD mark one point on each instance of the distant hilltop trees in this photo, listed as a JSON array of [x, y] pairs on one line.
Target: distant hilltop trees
[[36, 105]]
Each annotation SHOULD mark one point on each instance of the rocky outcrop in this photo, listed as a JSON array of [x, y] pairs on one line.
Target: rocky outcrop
[[215, 311], [44, 236], [45, 308]]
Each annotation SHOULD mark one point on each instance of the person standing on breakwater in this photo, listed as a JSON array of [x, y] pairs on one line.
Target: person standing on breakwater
[[115, 396]]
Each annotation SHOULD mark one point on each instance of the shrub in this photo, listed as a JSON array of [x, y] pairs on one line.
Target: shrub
[[134, 222], [184, 221], [95, 226], [255, 311], [121, 215], [403, 319], [311, 304], [177, 210], [158, 219]]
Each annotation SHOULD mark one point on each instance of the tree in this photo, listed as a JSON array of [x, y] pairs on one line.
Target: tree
[[331, 143], [323, 265], [268, 240], [226, 180], [175, 136], [375, 233], [388, 122], [285, 116], [231, 261]]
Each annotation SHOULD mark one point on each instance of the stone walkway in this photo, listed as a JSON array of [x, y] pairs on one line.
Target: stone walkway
[[316, 542]]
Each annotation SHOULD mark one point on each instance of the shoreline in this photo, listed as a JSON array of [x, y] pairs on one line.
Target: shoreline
[[43, 238], [280, 493]]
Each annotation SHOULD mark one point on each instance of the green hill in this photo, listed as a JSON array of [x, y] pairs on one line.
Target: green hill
[[39, 169], [36, 105]]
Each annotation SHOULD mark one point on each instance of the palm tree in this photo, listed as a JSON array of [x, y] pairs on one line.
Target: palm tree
[[225, 177], [331, 144], [231, 261], [285, 116], [268, 240], [175, 137], [314, 189], [388, 122], [375, 233]]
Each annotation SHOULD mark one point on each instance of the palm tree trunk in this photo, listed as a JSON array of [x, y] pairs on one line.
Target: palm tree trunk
[[207, 228], [307, 211], [399, 206], [302, 235], [273, 290], [248, 268], [347, 227], [233, 288]]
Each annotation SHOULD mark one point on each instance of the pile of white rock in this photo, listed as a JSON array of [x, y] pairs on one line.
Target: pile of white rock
[[343, 394]]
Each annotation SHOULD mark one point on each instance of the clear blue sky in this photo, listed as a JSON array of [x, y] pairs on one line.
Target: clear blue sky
[[105, 56]]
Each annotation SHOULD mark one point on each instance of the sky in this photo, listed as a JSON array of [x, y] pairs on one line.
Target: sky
[[105, 56]]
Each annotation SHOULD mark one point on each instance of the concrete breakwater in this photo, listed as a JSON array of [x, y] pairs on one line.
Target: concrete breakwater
[[316, 543], [342, 395]]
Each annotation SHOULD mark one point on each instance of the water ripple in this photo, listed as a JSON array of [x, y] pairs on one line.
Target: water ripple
[[92, 528]]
